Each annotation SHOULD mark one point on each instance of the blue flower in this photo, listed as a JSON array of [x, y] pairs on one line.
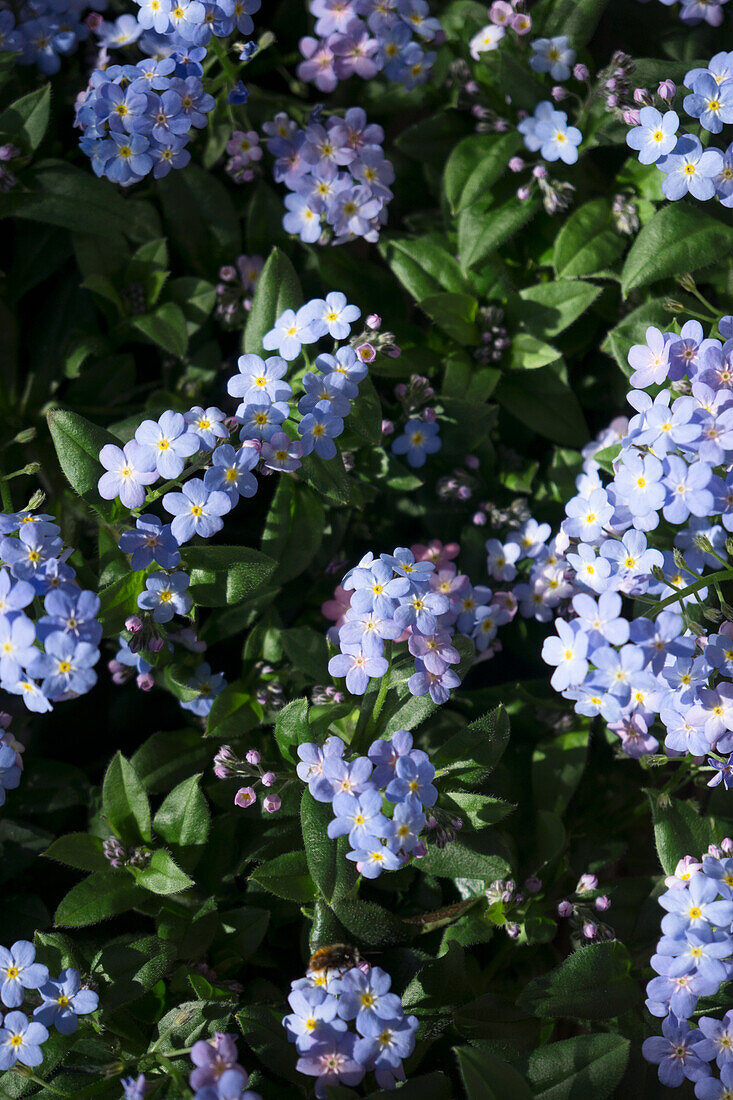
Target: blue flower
[[231, 471], [74, 614], [419, 439], [165, 595], [239, 94], [9, 771], [711, 103], [17, 650], [64, 1001], [151, 541], [67, 666], [691, 168], [317, 430], [208, 425], [413, 777], [28, 553], [365, 998], [553, 56], [313, 1019], [196, 511], [290, 332], [20, 1040], [325, 393], [674, 1053], [19, 971], [655, 136], [208, 687], [258, 379], [558, 141], [358, 817], [332, 316]]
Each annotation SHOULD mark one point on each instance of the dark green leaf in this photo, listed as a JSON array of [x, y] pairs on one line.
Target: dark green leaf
[[678, 239], [455, 314], [226, 574], [183, 819], [125, 803], [291, 728], [78, 443], [102, 895], [79, 850], [557, 767], [578, 1068], [594, 983], [486, 1077], [545, 403], [278, 289], [475, 164], [483, 227], [680, 830], [286, 876], [25, 121], [163, 875], [547, 309], [587, 244]]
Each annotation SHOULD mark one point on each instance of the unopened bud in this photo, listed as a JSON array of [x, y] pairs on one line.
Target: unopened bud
[[590, 930], [253, 757], [603, 903], [27, 435], [272, 803], [667, 90], [268, 779], [580, 72], [374, 322], [565, 909], [133, 623]]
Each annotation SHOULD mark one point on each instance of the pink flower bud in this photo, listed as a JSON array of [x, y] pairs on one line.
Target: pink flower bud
[[419, 850], [392, 351], [540, 172], [564, 909], [374, 321], [94, 20], [580, 72], [516, 164], [227, 273], [479, 519], [631, 116], [586, 882], [400, 390], [727, 845], [244, 797], [603, 903], [133, 623], [558, 93], [612, 100], [472, 462], [272, 803], [641, 96], [590, 930], [253, 757], [429, 416], [145, 681], [523, 193], [268, 779], [387, 427], [667, 90], [512, 930], [533, 885], [155, 645], [470, 87]]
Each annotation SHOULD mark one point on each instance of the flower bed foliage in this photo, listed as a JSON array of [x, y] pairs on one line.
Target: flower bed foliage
[[366, 636]]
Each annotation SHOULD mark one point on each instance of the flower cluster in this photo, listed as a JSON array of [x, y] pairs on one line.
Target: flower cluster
[[704, 172], [395, 599], [356, 789], [693, 959], [63, 1000], [45, 30], [337, 174], [698, 11], [234, 291], [137, 119], [51, 659], [193, 23], [217, 1074], [366, 37], [244, 151], [673, 459], [323, 1005], [503, 16], [227, 765]]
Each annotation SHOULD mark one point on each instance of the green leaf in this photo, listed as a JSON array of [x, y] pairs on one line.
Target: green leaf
[[287, 877], [101, 895], [475, 164], [307, 651], [25, 121], [166, 327], [183, 819], [479, 809], [278, 289], [125, 803], [226, 574], [455, 314], [547, 309], [234, 712], [163, 875], [678, 239], [574, 1069], [482, 228], [320, 851], [577, 19], [370, 923], [486, 1077], [201, 219], [557, 768], [293, 529], [529, 353], [118, 600], [465, 858], [292, 729], [681, 830], [430, 140], [431, 1086], [79, 850], [545, 403], [470, 755], [78, 443], [424, 265], [594, 983], [587, 244]]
